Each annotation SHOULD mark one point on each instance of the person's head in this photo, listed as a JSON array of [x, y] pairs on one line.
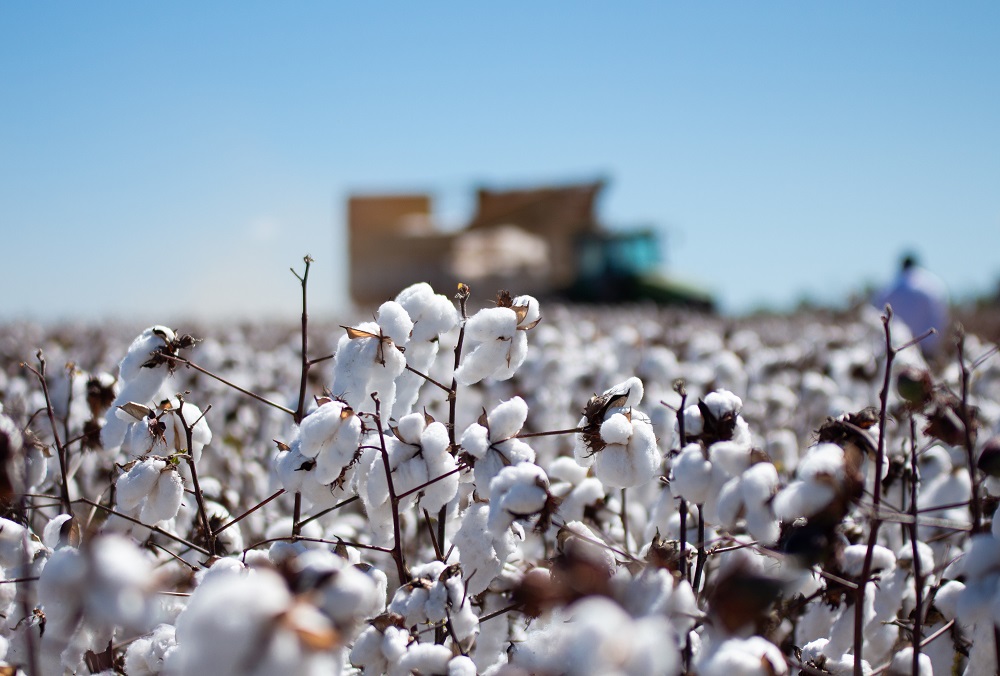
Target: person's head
[[909, 261]]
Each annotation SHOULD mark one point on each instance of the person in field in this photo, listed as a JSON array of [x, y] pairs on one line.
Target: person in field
[[918, 299]]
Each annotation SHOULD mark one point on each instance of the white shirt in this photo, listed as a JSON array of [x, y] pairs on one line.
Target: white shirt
[[919, 300]]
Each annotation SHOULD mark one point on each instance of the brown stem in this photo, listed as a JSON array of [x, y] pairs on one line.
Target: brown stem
[[155, 529], [866, 569], [304, 279], [432, 481], [428, 378], [281, 491], [291, 538], [60, 449], [975, 505], [227, 383], [326, 511], [918, 577], [199, 496], [528, 435], [397, 547], [463, 298]]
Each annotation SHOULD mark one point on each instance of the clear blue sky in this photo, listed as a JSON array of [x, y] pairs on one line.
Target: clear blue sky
[[159, 160]]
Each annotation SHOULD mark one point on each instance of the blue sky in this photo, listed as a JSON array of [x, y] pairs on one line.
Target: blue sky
[[164, 160]]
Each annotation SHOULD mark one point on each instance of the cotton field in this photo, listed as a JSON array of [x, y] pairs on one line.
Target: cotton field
[[520, 489]]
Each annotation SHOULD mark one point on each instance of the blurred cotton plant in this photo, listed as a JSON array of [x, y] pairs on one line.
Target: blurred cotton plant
[[447, 495]]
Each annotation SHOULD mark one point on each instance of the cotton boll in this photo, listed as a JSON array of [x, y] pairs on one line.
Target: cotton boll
[[164, 500], [692, 475], [14, 539], [632, 462], [507, 418], [137, 483], [579, 542], [902, 664], [744, 657], [565, 469], [145, 656], [435, 444], [493, 331], [461, 665], [423, 658], [517, 491], [394, 322], [616, 430], [432, 314], [52, 536], [478, 549]]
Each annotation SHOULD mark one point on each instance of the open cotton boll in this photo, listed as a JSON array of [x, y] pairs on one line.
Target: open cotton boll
[[752, 656], [164, 500], [517, 491], [479, 549], [432, 313], [145, 656], [493, 331], [394, 322], [331, 435], [902, 664], [137, 483], [138, 383], [434, 443], [580, 542], [507, 418], [423, 658], [634, 460], [692, 475], [496, 447]]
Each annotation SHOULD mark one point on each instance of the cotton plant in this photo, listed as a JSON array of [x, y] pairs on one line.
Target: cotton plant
[[715, 448], [618, 440], [436, 594], [747, 498], [517, 492], [433, 314], [265, 629], [480, 551], [162, 429], [498, 338], [370, 358], [85, 593], [492, 444], [150, 490], [596, 636], [141, 375], [418, 452], [318, 461]]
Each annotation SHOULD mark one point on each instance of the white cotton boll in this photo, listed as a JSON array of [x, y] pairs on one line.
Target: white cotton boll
[[460, 665], [475, 440], [731, 456], [762, 525], [440, 462], [759, 483], [566, 469], [289, 468], [432, 313], [423, 658], [217, 643], [476, 551], [692, 475], [507, 418], [802, 499], [616, 430], [164, 500], [517, 352], [751, 656], [410, 427], [141, 349], [395, 322], [140, 384], [493, 330], [132, 487], [902, 664], [730, 503], [723, 402], [145, 656], [53, 531], [822, 459], [633, 464], [121, 573], [853, 558], [12, 545], [332, 428], [518, 491], [586, 545]]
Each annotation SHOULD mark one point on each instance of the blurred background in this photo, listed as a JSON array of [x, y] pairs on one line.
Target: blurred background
[[173, 160]]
